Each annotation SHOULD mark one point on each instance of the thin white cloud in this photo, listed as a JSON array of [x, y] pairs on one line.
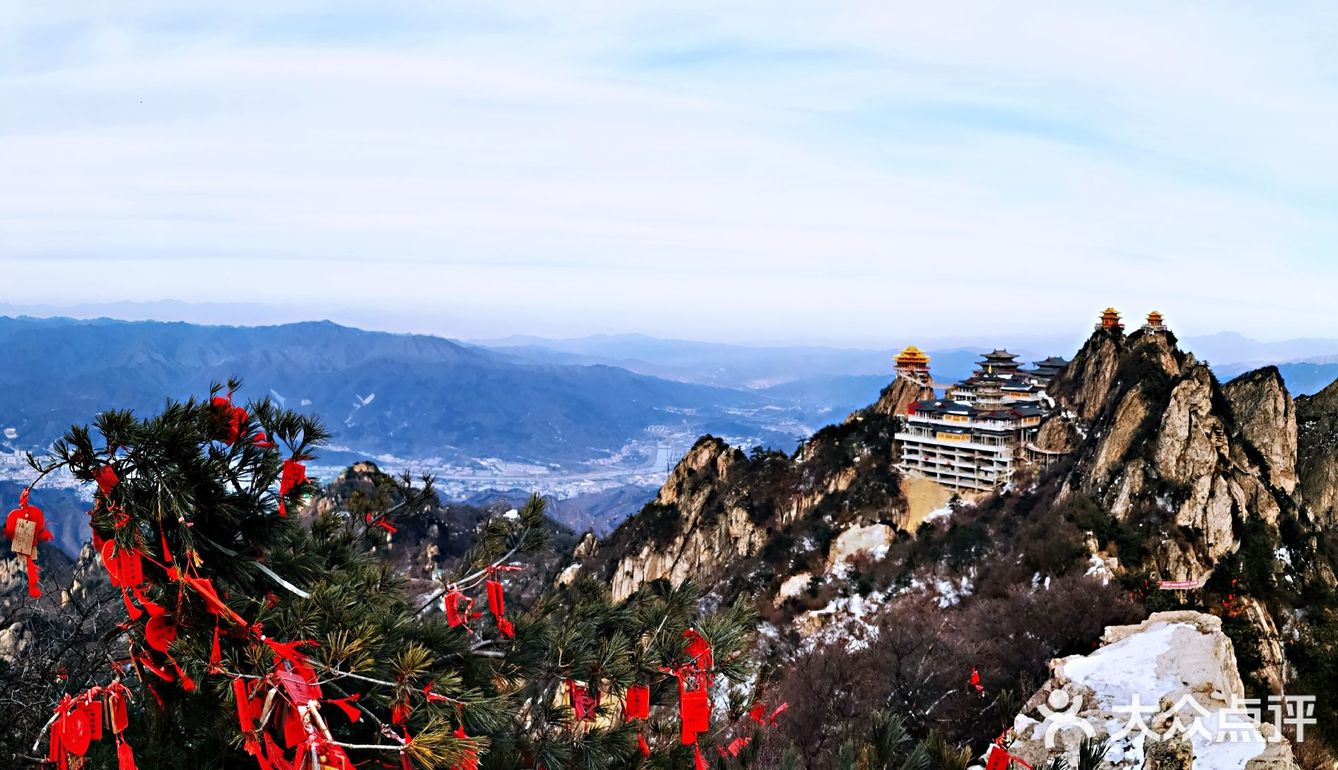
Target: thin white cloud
[[758, 171]]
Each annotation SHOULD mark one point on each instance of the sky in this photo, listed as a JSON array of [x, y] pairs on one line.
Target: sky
[[736, 171]]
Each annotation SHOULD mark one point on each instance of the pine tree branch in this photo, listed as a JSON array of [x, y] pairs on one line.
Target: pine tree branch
[[475, 576], [271, 573]]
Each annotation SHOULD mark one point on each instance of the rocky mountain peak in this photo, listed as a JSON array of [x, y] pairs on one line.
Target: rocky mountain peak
[[720, 508], [1110, 359], [1317, 444], [1169, 448], [1266, 417]]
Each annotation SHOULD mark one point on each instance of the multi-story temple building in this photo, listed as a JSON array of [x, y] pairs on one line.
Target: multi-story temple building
[[963, 446], [985, 426], [998, 380]]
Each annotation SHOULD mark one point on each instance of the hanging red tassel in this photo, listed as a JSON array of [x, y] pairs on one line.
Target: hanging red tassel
[[974, 681], [106, 479], [779, 710], [698, 759], [26, 528], [642, 745], [506, 628], [125, 758], [244, 716], [167, 552], [638, 702], [130, 608], [294, 475], [496, 599]]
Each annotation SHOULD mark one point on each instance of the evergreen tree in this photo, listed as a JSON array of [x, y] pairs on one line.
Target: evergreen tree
[[252, 630]]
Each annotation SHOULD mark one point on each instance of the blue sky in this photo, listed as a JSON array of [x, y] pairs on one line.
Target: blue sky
[[755, 171]]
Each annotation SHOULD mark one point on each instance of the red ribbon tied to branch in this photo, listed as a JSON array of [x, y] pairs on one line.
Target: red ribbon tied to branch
[[26, 528], [294, 475]]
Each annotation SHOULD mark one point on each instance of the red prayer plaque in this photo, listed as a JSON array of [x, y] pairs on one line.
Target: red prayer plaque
[[76, 732], [94, 711], [638, 701]]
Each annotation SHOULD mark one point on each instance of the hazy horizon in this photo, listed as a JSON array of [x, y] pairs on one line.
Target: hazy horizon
[[257, 314]]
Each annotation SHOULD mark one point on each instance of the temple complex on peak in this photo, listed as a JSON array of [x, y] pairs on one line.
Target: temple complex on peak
[[985, 427], [974, 437]]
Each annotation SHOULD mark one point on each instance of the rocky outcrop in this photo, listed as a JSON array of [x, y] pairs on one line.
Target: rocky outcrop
[[1166, 446], [871, 541], [719, 508], [1317, 466], [1058, 434], [1265, 416], [1180, 668], [900, 394], [696, 538]]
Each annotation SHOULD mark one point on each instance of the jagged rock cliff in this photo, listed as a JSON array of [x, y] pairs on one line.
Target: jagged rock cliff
[[1178, 664], [898, 395], [1266, 417], [723, 515], [1317, 466], [1165, 451]]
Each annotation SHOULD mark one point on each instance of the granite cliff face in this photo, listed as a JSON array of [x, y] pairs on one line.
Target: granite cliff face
[[1166, 451], [1317, 465], [897, 396], [1266, 417], [720, 510]]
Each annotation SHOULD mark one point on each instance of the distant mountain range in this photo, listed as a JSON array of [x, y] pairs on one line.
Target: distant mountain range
[[730, 366], [531, 400], [852, 377], [411, 396]]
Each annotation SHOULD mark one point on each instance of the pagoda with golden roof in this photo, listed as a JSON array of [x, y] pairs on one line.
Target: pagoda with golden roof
[[913, 363], [1110, 319], [1156, 323]]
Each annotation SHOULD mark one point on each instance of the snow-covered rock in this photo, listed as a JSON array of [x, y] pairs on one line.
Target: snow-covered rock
[[793, 586], [1178, 671], [872, 540]]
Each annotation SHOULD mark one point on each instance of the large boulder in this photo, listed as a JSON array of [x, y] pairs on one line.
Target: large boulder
[[1179, 670]]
